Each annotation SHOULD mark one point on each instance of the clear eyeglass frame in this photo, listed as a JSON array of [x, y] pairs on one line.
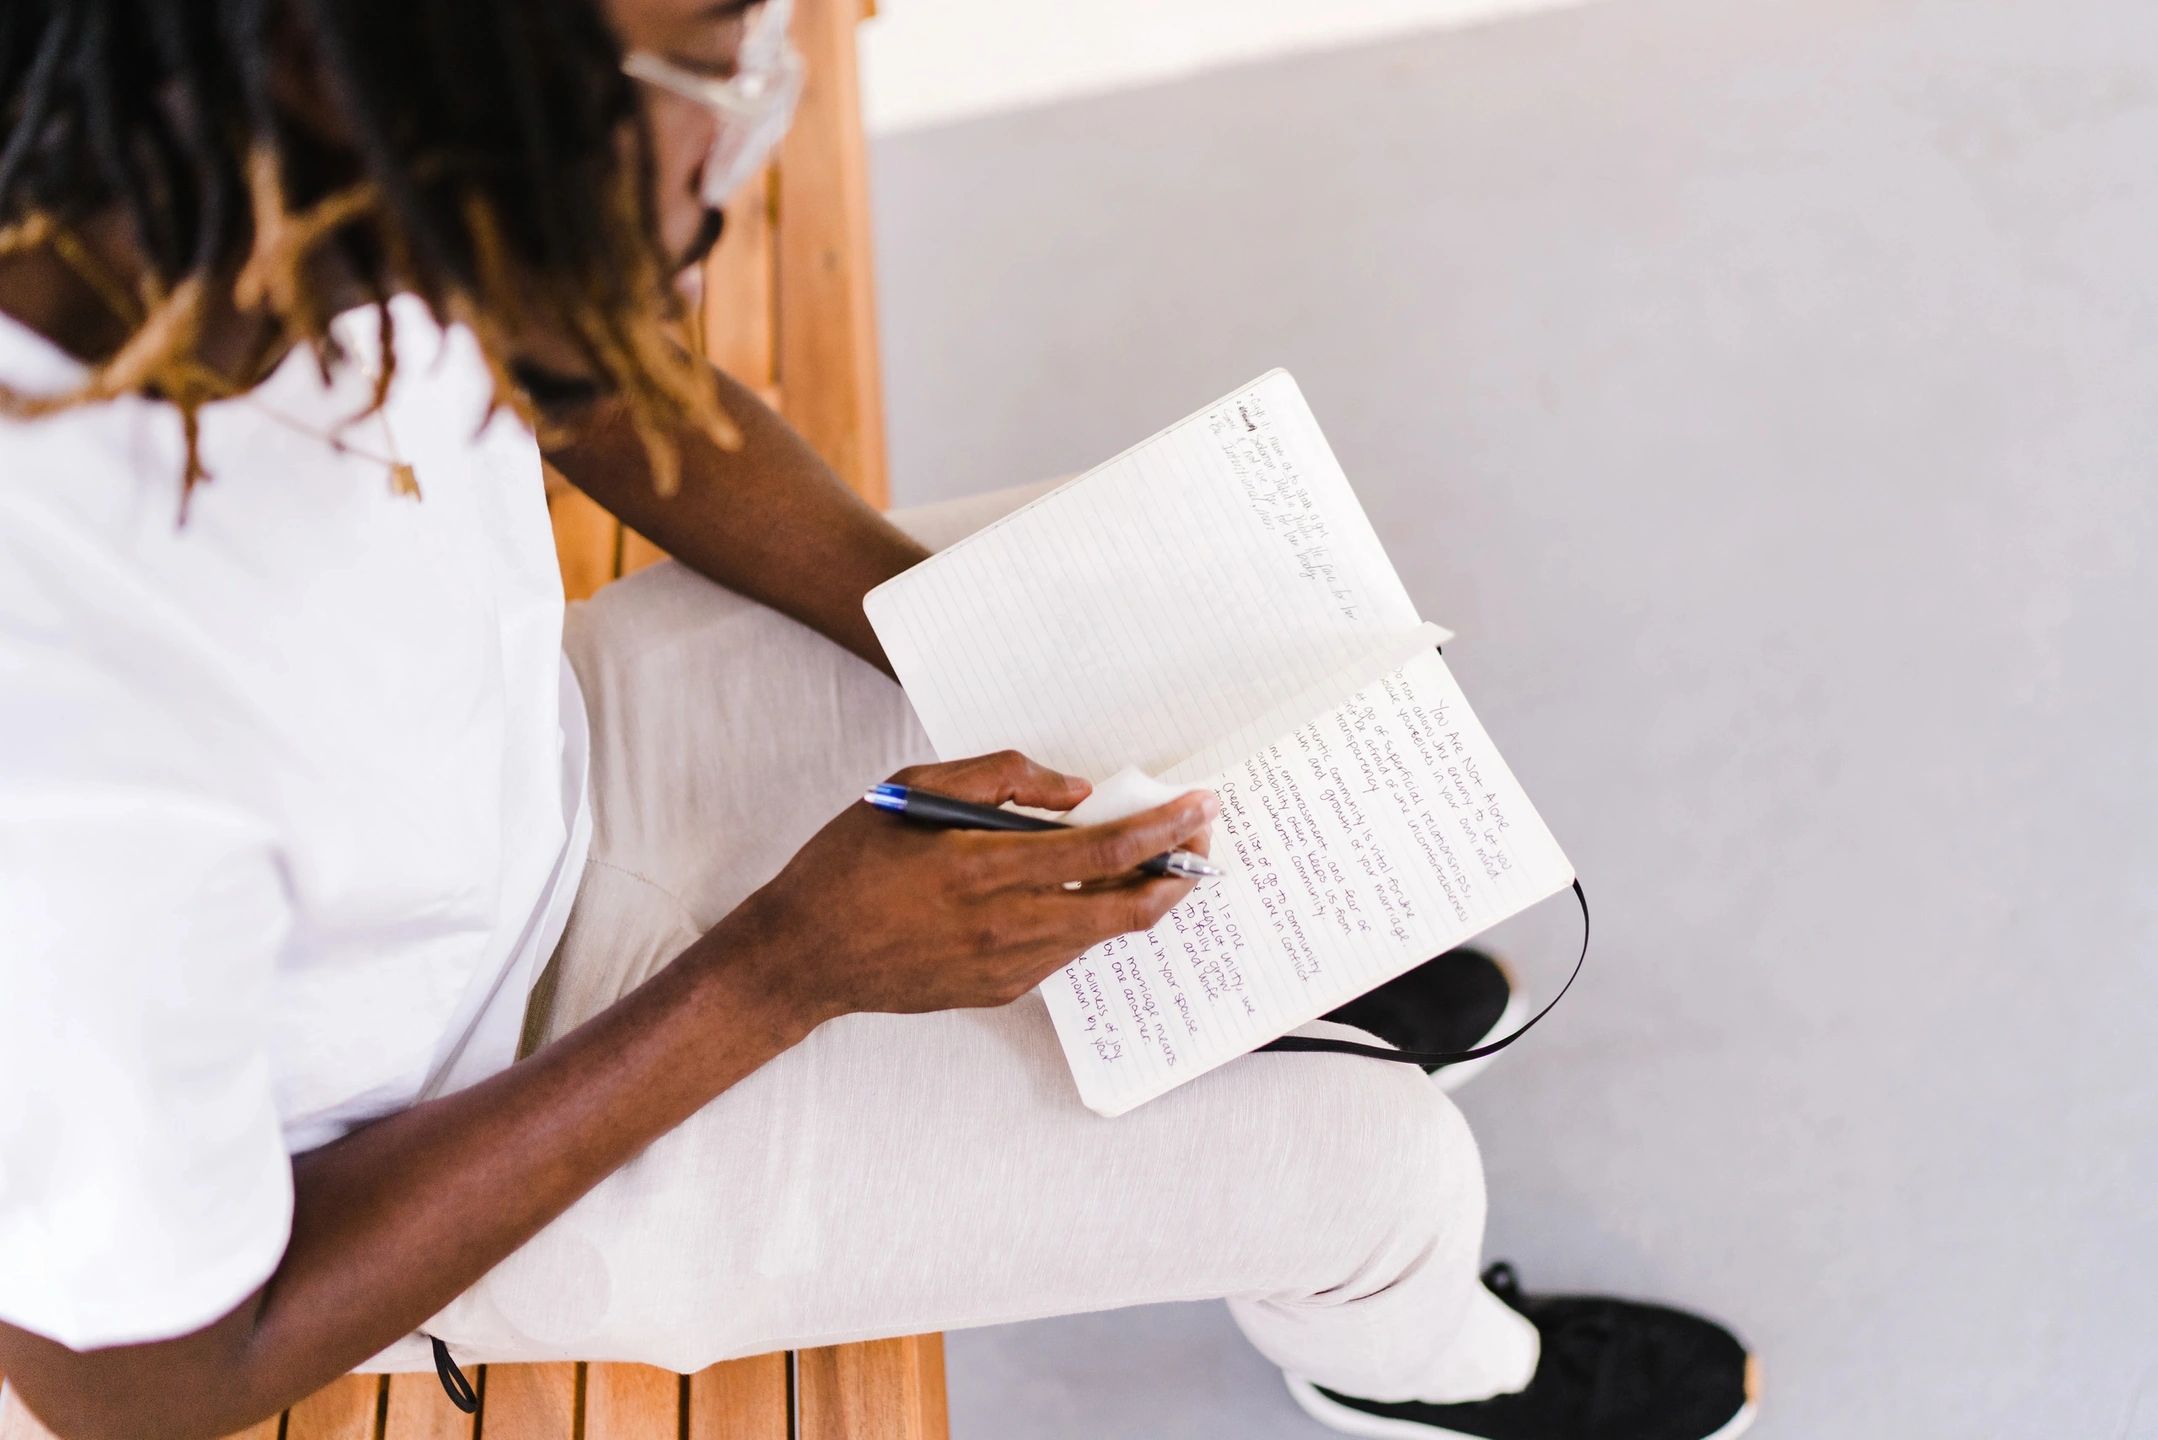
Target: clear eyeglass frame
[[754, 95], [754, 107]]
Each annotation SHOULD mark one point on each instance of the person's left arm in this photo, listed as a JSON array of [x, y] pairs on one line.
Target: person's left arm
[[770, 520]]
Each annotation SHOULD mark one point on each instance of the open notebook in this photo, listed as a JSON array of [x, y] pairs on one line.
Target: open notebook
[[1213, 608]]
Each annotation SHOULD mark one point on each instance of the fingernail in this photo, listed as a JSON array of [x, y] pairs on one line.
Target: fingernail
[[1209, 805]]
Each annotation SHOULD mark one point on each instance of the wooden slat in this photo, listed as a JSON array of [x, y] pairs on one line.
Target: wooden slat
[[828, 370], [529, 1402], [588, 540], [631, 1402], [740, 1400], [638, 552], [739, 303], [343, 1410], [936, 1414], [873, 1391], [419, 1410], [270, 1429]]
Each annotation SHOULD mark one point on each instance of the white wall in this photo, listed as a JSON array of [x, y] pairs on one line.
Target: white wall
[[928, 61]]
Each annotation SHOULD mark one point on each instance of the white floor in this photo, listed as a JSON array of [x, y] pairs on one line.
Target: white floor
[[1767, 390]]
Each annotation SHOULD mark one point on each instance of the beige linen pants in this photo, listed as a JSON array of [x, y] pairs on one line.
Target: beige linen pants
[[896, 1174]]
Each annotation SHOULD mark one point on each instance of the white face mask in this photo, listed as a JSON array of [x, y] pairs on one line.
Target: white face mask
[[754, 106]]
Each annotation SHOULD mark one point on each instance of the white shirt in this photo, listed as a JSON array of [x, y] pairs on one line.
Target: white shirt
[[292, 808]]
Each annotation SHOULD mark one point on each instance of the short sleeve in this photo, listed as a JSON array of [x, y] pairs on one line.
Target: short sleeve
[[144, 1185]]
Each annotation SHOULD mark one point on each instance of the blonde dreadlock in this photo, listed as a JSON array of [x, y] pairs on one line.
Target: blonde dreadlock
[[480, 165]]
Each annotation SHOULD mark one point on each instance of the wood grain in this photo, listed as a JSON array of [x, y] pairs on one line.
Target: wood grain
[[740, 306], [529, 1402], [638, 552], [878, 1390], [587, 539], [936, 1414], [828, 369], [631, 1402], [420, 1410], [740, 1400], [342, 1410], [270, 1429]]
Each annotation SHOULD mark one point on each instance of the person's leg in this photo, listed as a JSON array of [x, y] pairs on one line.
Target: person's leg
[[724, 735], [895, 1174]]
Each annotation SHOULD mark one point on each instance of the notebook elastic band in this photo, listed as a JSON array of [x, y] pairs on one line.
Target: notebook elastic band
[[1434, 1058], [454, 1383]]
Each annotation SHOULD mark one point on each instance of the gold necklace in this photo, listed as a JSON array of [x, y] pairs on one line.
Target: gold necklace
[[404, 479]]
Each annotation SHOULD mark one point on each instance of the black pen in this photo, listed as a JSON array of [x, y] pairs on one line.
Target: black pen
[[928, 808]]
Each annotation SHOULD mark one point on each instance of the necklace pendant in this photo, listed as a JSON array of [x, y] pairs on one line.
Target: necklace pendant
[[404, 480]]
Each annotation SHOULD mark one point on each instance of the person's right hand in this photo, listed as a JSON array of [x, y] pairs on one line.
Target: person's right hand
[[876, 913]]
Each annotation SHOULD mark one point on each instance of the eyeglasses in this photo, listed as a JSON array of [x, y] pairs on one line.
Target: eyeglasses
[[754, 106]]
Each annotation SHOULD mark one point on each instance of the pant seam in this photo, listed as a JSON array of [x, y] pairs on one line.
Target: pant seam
[[667, 893]]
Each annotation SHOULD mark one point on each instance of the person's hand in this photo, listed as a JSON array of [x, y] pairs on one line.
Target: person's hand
[[875, 913]]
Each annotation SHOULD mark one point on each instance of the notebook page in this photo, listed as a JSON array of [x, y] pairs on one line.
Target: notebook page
[[1358, 844], [1153, 605], [1386, 653]]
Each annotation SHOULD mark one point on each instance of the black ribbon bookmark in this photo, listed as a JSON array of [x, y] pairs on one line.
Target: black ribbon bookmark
[[454, 1383], [1435, 1058]]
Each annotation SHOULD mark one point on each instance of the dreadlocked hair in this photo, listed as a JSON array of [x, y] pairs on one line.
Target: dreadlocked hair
[[478, 161]]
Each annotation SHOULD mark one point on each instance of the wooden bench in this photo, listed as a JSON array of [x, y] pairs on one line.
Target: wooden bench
[[791, 314]]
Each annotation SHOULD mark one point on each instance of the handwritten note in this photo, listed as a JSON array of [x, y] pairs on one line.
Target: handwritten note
[[1265, 464], [1214, 607], [1379, 833], [1153, 605]]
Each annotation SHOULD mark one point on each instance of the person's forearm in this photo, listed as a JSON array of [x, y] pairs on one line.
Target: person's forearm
[[394, 1221], [769, 521]]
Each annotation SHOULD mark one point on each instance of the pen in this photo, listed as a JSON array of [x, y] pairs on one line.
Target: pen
[[928, 808]]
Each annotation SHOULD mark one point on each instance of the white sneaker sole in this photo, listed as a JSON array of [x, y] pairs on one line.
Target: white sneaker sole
[[1343, 1420], [1452, 1077]]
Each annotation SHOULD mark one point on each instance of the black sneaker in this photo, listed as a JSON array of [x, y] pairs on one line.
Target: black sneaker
[[1610, 1370], [1455, 1002]]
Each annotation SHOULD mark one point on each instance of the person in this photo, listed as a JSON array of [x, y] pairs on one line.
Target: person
[[316, 812]]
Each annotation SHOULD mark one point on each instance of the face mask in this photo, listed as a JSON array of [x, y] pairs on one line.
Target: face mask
[[754, 106]]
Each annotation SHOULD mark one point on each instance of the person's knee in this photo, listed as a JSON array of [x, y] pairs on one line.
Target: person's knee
[[1381, 1137], [1409, 1135]]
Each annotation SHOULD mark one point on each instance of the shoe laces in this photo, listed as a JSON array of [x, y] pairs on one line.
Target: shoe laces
[[1501, 1281], [1613, 1365]]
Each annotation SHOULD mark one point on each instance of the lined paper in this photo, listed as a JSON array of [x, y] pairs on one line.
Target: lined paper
[[1379, 833], [1153, 605], [1213, 607]]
